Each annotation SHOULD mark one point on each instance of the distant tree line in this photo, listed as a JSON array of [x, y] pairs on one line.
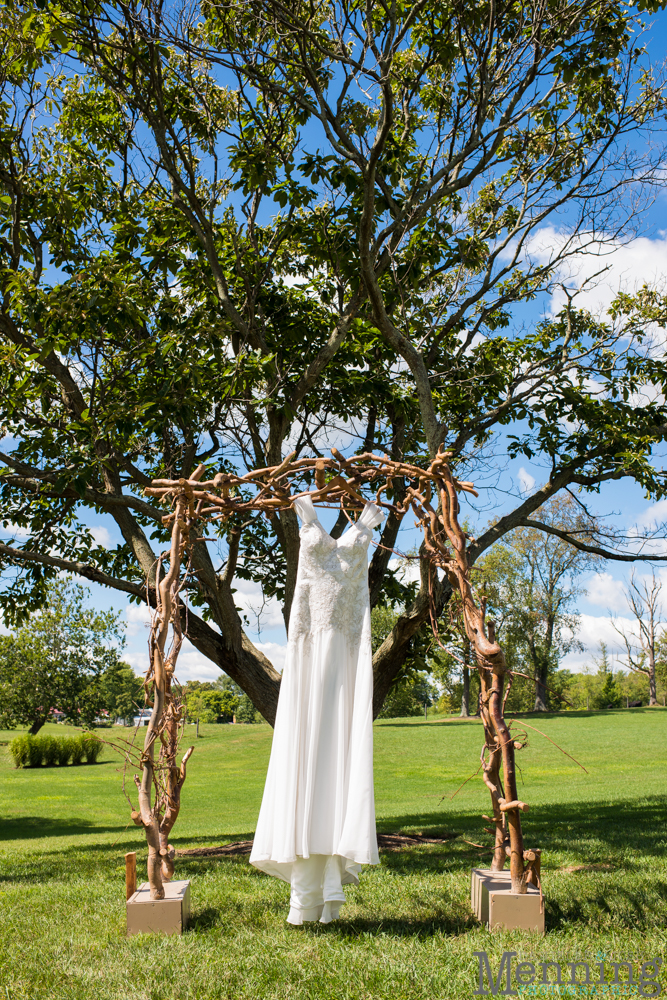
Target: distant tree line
[[219, 701], [66, 658], [530, 581], [65, 662]]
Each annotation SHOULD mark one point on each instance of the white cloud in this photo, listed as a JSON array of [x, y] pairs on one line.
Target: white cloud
[[592, 631], [526, 481], [408, 569], [275, 651], [627, 266], [138, 618], [14, 531], [101, 535], [249, 599], [652, 519], [191, 665], [477, 339], [606, 592], [342, 437], [137, 661], [653, 516], [194, 666]]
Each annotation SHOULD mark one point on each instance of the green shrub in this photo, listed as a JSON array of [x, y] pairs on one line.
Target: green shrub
[[49, 750], [78, 749], [92, 746], [34, 751], [19, 749], [401, 701], [610, 692], [445, 703], [64, 750]]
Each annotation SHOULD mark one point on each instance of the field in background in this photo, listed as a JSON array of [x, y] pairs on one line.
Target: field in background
[[406, 932]]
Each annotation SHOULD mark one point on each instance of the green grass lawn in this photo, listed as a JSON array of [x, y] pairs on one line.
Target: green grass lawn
[[407, 930]]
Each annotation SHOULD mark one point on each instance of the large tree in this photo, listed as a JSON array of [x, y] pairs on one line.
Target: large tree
[[235, 232], [531, 583], [63, 658], [645, 636]]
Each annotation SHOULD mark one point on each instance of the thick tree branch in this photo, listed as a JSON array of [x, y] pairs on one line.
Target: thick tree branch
[[86, 570], [93, 497], [597, 550]]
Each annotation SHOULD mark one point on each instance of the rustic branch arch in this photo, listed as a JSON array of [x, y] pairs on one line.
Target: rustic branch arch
[[432, 495]]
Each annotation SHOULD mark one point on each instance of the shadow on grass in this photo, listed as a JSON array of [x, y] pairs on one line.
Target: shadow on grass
[[398, 724], [33, 827], [628, 837], [637, 825], [205, 919], [583, 713], [209, 840], [456, 920], [29, 769]]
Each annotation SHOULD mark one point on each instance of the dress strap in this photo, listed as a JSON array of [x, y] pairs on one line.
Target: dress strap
[[304, 508], [370, 516]]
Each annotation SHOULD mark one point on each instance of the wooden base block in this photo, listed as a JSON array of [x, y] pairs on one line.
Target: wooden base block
[[495, 905], [159, 916]]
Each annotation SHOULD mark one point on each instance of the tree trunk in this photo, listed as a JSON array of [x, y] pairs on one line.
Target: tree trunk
[[652, 693], [390, 657], [36, 726], [540, 690], [287, 532], [465, 694]]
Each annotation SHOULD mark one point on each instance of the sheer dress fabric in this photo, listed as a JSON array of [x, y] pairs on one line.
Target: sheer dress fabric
[[316, 824]]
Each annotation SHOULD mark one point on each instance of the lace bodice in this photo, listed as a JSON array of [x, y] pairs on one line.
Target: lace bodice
[[332, 581]]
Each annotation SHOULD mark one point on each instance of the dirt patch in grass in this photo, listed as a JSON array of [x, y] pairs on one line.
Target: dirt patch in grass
[[386, 842]]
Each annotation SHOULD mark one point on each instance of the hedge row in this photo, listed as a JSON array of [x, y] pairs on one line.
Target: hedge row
[[35, 751]]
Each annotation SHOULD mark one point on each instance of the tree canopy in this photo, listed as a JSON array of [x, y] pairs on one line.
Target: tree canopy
[[530, 582], [227, 233], [66, 657]]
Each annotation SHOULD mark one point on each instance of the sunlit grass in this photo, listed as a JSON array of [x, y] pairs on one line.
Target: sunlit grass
[[406, 932]]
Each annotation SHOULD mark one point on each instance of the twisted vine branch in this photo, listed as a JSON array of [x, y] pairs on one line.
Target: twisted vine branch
[[159, 786]]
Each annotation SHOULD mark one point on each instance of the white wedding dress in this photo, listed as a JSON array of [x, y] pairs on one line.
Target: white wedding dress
[[316, 825]]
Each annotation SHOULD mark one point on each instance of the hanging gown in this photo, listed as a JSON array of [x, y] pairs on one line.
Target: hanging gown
[[316, 824]]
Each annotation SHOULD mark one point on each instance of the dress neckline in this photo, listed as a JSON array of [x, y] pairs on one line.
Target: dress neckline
[[365, 521], [351, 524]]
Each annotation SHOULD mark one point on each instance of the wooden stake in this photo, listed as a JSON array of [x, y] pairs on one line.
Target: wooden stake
[[130, 874]]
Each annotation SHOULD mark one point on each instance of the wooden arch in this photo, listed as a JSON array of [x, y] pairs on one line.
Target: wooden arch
[[432, 495]]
